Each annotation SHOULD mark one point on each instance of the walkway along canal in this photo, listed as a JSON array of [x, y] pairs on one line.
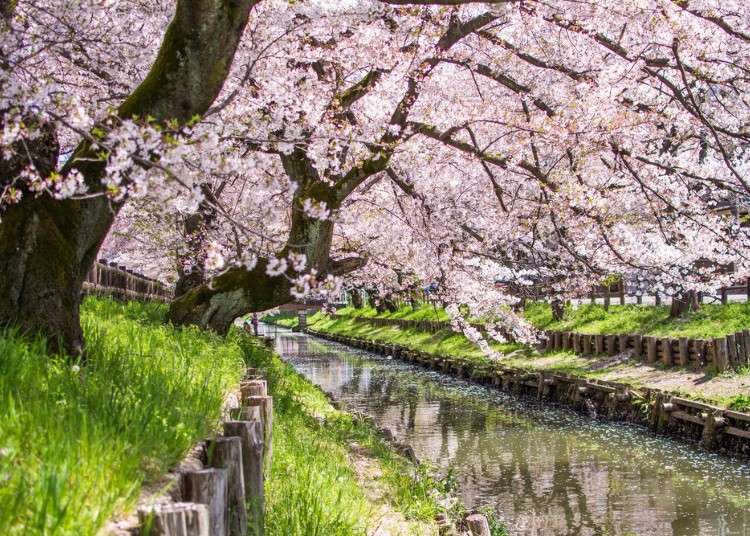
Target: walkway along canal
[[547, 471]]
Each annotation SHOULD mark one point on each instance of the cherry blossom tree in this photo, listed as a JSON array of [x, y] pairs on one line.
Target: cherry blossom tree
[[398, 145]]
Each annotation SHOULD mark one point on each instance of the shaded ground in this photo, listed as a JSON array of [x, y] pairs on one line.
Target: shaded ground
[[717, 388], [386, 520]]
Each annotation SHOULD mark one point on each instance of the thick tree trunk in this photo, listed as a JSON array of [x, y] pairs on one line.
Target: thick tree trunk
[[356, 295], [683, 304], [215, 305], [47, 247], [558, 309]]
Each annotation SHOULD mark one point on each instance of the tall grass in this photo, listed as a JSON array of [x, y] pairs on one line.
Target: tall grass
[[77, 441]]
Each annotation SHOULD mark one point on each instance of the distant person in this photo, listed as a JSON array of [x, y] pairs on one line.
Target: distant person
[[255, 323]]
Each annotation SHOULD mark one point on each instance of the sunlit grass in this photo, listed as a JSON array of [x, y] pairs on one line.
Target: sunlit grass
[[709, 321], [77, 441]]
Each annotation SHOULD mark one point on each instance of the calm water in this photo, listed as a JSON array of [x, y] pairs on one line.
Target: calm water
[[546, 471]]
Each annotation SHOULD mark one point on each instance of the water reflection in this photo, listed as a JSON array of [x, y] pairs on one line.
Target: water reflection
[[547, 471]]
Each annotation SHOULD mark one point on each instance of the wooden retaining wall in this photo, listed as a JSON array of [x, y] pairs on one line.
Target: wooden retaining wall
[[218, 490], [711, 427], [723, 353], [118, 281]]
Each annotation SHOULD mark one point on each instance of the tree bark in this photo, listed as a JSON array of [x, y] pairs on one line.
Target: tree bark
[[48, 246], [356, 295], [558, 309], [215, 304], [684, 303], [195, 230]]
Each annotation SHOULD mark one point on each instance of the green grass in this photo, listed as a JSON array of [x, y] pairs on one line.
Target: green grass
[[312, 489], [78, 442], [284, 319], [444, 342], [423, 311], [709, 321]]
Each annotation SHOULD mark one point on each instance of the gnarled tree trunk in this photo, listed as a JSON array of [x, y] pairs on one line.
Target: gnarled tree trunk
[[47, 246], [215, 304]]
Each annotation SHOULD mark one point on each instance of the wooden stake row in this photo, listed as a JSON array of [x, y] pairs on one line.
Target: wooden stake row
[[226, 497], [723, 353]]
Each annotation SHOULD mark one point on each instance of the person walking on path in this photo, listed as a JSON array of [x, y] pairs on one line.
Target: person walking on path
[[255, 323]]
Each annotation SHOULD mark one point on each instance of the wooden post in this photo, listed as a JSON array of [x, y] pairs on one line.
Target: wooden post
[[593, 298], [611, 350], [732, 350], [565, 341], [723, 295], [209, 487], [478, 525], [622, 292], [637, 346], [721, 354], [251, 438], [623, 342], [266, 416], [657, 299], [558, 340], [666, 349], [253, 388], [683, 356], [639, 299], [586, 344], [550, 342], [746, 346], [711, 429], [599, 344], [226, 453], [577, 343], [650, 349], [173, 519]]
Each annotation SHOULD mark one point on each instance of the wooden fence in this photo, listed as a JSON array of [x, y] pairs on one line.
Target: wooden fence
[[722, 353], [221, 492], [117, 281]]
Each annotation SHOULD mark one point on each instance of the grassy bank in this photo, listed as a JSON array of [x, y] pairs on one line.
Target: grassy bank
[[728, 390], [313, 488], [709, 321], [78, 441]]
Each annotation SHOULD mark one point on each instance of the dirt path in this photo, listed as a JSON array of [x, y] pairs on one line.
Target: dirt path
[[621, 368], [386, 520]]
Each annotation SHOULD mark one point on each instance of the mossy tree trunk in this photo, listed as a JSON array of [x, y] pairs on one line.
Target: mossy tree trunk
[[47, 246], [237, 291]]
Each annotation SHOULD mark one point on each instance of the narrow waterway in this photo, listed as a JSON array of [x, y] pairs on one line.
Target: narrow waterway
[[547, 471]]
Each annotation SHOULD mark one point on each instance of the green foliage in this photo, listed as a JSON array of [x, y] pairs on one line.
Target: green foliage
[[739, 403], [424, 311], [312, 488], [709, 321], [284, 319], [77, 441]]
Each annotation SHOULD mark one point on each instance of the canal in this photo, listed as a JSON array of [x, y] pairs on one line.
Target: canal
[[546, 470]]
